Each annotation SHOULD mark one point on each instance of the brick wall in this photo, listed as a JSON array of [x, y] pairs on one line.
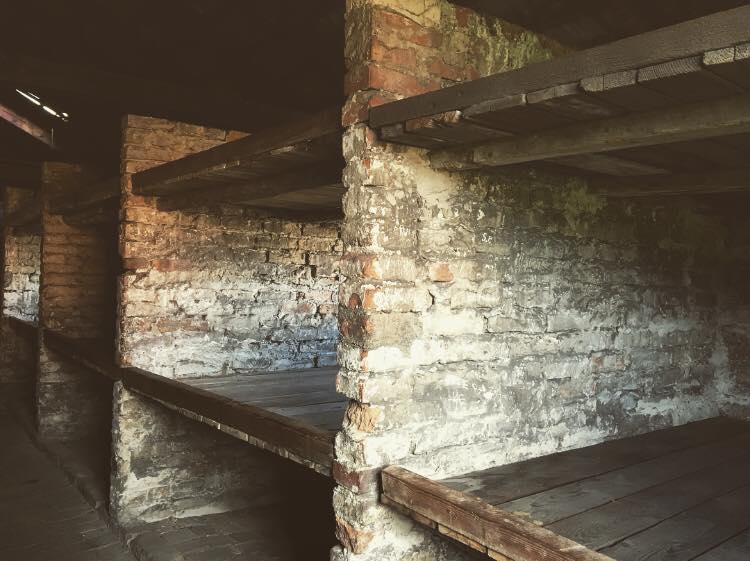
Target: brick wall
[[77, 298], [732, 356], [219, 290], [488, 318], [20, 297]]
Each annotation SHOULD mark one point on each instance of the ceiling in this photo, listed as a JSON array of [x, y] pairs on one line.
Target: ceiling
[[586, 23], [228, 63]]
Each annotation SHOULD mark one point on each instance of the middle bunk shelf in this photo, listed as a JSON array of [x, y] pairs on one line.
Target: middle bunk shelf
[[294, 414]]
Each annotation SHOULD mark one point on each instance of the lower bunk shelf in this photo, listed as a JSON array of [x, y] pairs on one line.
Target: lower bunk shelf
[[294, 414], [680, 494]]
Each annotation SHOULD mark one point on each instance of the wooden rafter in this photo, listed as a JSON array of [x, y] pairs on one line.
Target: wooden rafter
[[27, 126], [689, 122]]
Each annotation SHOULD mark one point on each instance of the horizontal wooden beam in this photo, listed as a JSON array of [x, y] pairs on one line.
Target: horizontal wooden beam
[[281, 433], [503, 535], [96, 195], [27, 126], [687, 39], [724, 116], [23, 175], [174, 175], [258, 189], [677, 184]]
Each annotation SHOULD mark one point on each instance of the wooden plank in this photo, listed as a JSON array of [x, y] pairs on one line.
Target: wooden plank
[[561, 502], [688, 122], [25, 125], [623, 90], [607, 164], [513, 114], [731, 63], [734, 549], [232, 154], [690, 534], [251, 191], [686, 80], [298, 438], [506, 483], [608, 524], [691, 38], [95, 195], [677, 184], [484, 524], [572, 102], [451, 128]]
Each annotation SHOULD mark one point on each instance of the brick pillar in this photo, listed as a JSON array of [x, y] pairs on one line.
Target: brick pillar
[[395, 262], [20, 293], [76, 299]]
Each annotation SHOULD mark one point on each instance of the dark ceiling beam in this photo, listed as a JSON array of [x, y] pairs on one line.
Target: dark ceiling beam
[[677, 184], [191, 102], [24, 175], [27, 126]]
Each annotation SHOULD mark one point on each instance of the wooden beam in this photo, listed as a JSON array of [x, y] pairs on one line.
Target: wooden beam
[[677, 184], [97, 195], [23, 175], [504, 535], [687, 39], [174, 175], [22, 123], [687, 122], [258, 189]]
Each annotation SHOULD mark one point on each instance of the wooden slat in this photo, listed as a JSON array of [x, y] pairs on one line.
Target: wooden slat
[[298, 438], [493, 528], [677, 184], [506, 483], [686, 80], [572, 102], [687, 39], [608, 524], [282, 433], [96, 195], [170, 176], [513, 114], [692, 533], [731, 63], [689, 122], [561, 502], [735, 549], [248, 192], [623, 90], [27, 126]]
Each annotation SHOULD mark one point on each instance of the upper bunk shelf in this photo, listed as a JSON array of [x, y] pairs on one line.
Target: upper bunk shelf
[[680, 494], [296, 167], [97, 204], [294, 414], [671, 101]]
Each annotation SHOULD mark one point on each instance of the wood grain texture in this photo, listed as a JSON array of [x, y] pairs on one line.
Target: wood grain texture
[[481, 523], [682, 40]]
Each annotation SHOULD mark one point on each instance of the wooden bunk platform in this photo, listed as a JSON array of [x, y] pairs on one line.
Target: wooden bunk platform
[[296, 167], [294, 414], [671, 101], [96, 204], [680, 494]]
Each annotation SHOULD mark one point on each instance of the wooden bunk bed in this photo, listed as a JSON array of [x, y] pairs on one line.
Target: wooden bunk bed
[[291, 168], [680, 494], [659, 113], [293, 414], [666, 112]]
